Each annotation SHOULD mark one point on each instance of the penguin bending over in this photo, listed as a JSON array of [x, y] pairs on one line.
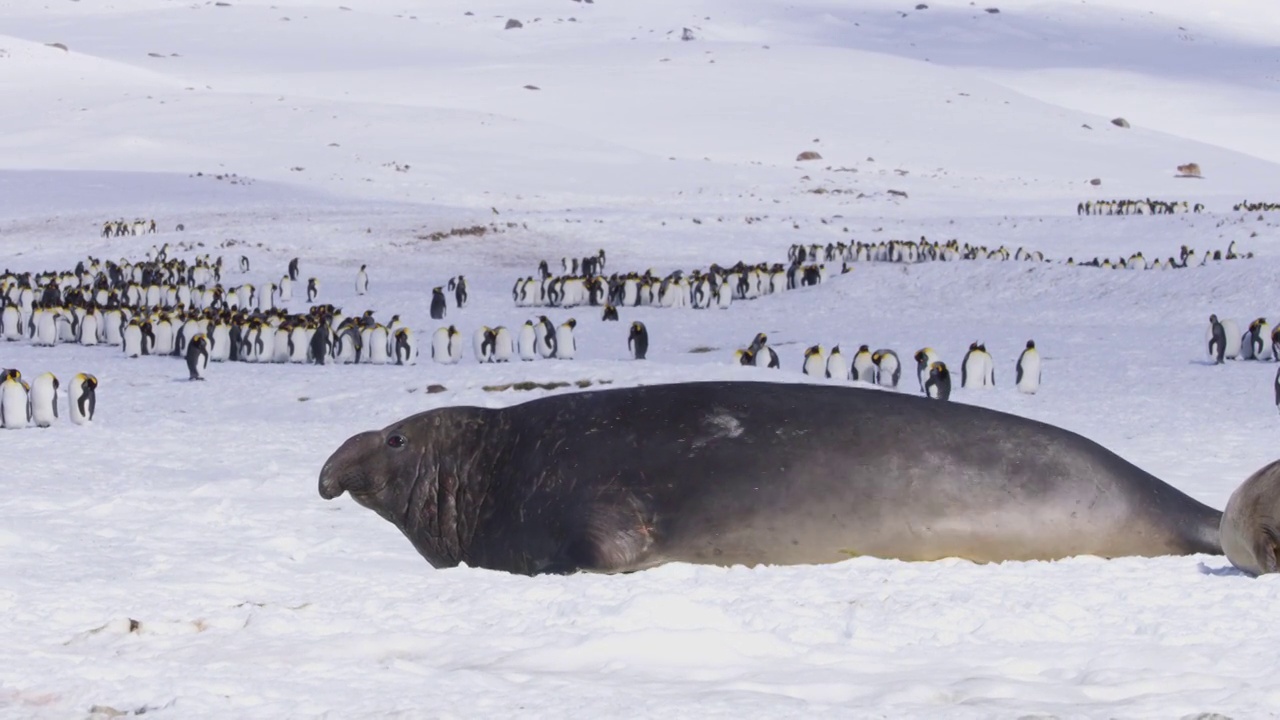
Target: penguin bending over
[[938, 384], [82, 398], [610, 313], [197, 357], [638, 340], [925, 358], [1028, 368], [888, 368]]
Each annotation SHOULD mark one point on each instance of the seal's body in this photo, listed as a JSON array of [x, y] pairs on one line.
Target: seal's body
[[732, 473]]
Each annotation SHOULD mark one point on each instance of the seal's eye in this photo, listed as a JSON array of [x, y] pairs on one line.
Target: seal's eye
[[397, 441]]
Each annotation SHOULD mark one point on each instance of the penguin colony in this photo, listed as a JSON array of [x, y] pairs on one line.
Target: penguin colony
[[582, 282], [37, 403], [1146, 206], [883, 367], [170, 307], [1247, 206], [908, 251], [536, 339], [119, 228]]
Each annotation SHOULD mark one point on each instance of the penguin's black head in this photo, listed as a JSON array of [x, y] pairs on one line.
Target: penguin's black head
[[1031, 344]]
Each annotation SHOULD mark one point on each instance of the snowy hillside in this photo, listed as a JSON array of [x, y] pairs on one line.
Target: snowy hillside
[[174, 557]]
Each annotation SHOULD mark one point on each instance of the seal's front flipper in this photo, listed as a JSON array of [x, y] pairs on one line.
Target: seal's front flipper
[[608, 534]]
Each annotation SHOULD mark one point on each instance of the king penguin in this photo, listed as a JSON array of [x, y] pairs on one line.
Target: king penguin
[[438, 306], [610, 313], [44, 400], [836, 366], [1217, 337], [293, 270], [405, 346], [82, 398], [864, 367], [440, 346], [925, 358], [15, 408], [482, 342], [815, 363], [566, 345], [198, 357], [313, 289], [545, 336], [888, 368], [503, 345], [362, 280], [1029, 369], [973, 371], [528, 341], [938, 384], [638, 340]]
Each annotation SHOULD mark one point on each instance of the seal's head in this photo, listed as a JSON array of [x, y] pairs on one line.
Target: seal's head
[[376, 467]]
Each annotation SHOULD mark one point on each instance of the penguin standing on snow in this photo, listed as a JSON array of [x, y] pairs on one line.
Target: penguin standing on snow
[[1217, 340], [763, 355], [440, 346], [836, 366], [973, 371], [566, 345], [362, 280], [638, 340], [815, 363], [293, 270], [321, 343], [459, 287], [1277, 387], [938, 384], [15, 408], [197, 357], [503, 345], [545, 337], [437, 303], [82, 398], [1258, 340], [313, 289], [1029, 369], [44, 400], [244, 264], [888, 368], [925, 358], [527, 344], [610, 313], [864, 367], [406, 350], [482, 343]]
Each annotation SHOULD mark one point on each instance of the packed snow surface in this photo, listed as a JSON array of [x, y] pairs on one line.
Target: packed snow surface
[[174, 557]]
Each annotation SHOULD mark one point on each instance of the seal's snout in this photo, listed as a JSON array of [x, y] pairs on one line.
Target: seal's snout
[[341, 472], [331, 485]]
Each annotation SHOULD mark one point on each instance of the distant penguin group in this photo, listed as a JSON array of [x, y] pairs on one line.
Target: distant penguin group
[[23, 404]]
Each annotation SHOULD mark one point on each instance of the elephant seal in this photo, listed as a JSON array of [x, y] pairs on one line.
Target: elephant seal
[[1251, 523], [751, 473]]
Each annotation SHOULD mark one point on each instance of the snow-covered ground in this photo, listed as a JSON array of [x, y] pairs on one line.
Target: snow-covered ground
[[175, 556]]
